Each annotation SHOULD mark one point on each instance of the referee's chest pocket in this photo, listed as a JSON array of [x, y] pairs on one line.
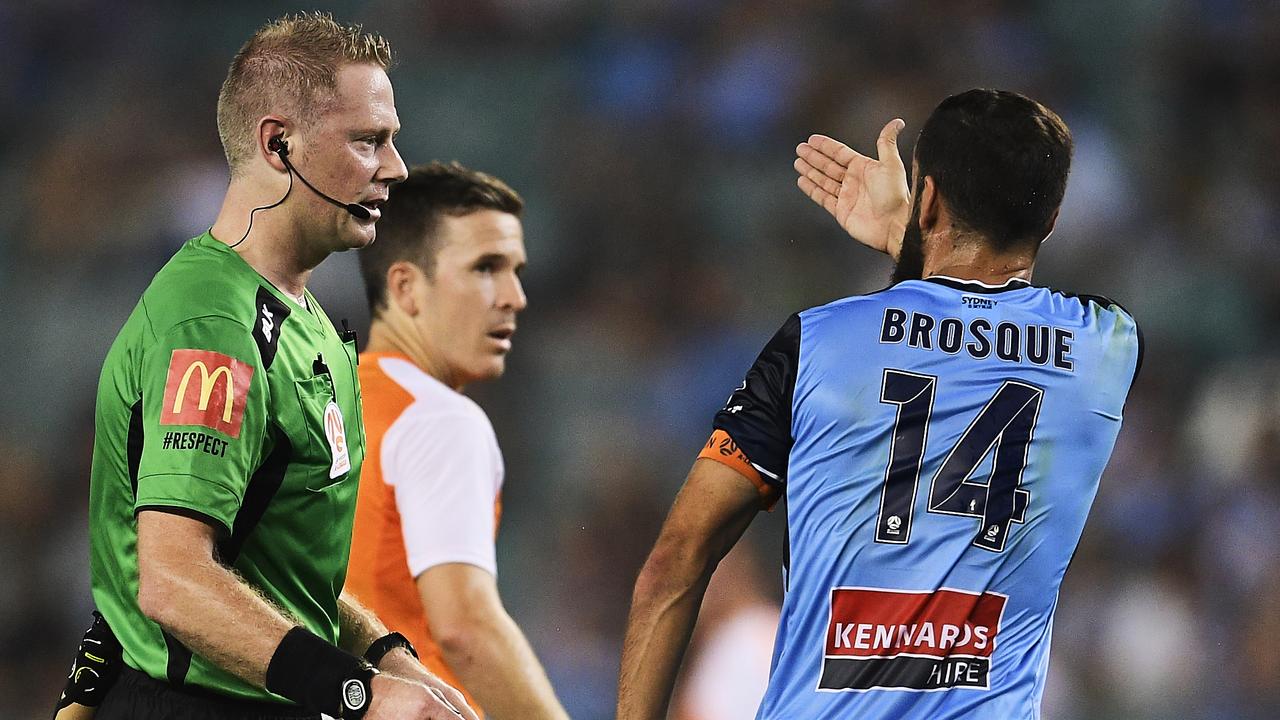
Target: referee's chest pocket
[[325, 450]]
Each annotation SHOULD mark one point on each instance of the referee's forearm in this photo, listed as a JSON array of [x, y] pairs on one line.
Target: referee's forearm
[[358, 627], [215, 615], [201, 602]]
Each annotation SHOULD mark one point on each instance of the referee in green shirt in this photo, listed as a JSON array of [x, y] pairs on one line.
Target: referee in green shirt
[[228, 429]]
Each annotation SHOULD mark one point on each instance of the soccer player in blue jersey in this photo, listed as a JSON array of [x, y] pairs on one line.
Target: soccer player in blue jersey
[[938, 443]]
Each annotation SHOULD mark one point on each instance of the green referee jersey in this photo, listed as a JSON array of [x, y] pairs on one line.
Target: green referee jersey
[[224, 399]]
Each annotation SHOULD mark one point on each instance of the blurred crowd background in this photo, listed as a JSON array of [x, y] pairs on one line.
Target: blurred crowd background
[[652, 141]]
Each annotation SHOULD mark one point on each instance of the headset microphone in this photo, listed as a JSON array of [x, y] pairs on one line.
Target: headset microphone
[[280, 147]]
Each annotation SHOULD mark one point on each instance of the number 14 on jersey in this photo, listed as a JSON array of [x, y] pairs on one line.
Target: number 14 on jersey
[[1005, 425]]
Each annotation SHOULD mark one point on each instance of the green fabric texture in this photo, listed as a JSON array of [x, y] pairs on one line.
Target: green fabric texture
[[213, 402]]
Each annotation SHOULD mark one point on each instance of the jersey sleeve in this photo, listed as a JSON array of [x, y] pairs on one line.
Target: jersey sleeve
[[445, 471], [203, 416], [754, 427], [1139, 344]]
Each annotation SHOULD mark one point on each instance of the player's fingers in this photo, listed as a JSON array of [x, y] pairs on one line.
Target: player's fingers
[[817, 194], [821, 162], [834, 149], [819, 178], [887, 143]]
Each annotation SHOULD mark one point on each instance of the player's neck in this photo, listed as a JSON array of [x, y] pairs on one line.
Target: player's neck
[[274, 246], [976, 261], [395, 333]]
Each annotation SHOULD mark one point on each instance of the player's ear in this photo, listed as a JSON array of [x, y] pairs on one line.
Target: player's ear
[[930, 205], [402, 282], [1053, 222]]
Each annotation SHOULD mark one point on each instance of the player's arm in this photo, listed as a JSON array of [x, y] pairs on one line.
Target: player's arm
[[443, 469], [742, 469], [483, 645], [709, 515], [870, 198]]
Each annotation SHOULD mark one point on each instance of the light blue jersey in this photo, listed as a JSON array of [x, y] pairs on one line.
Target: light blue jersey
[[939, 444]]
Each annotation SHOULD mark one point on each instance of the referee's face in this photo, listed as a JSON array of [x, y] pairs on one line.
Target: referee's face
[[351, 156]]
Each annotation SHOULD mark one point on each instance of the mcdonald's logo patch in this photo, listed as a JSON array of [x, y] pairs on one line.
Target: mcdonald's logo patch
[[206, 388]]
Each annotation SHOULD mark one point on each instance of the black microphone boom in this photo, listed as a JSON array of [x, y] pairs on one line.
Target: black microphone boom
[[356, 209], [281, 148]]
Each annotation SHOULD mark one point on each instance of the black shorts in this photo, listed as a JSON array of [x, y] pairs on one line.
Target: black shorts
[[136, 696]]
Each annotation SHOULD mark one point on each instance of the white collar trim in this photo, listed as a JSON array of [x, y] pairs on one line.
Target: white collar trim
[[1006, 283]]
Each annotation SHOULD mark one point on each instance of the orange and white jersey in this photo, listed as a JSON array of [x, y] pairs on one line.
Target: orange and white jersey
[[430, 494]]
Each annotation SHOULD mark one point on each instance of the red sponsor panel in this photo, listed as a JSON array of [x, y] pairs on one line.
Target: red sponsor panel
[[206, 388], [883, 623]]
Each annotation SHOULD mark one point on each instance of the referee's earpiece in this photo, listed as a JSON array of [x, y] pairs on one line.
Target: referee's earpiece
[[280, 147]]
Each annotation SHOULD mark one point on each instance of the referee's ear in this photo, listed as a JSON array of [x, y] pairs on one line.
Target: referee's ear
[[269, 127], [402, 294]]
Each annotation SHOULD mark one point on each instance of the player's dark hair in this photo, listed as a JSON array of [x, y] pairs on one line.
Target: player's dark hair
[[1000, 161], [410, 223]]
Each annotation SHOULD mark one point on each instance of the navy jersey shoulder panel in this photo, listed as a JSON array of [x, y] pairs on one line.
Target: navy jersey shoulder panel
[[1142, 346], [758, 413], [1108, 303]]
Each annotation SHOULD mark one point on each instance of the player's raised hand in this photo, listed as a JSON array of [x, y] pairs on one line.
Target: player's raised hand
[[870, 198]]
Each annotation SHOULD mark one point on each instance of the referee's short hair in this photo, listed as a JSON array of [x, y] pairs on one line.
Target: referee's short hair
[[290, 65], [409, 228], [1000, 161]]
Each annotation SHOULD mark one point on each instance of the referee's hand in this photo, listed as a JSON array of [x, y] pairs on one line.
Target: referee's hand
[[396, 698]]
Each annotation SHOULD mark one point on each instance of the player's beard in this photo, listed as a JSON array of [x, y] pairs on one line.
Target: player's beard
[[910, 265]]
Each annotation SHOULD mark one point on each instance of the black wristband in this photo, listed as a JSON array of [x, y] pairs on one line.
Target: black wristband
[[310, 671], [385, 644]]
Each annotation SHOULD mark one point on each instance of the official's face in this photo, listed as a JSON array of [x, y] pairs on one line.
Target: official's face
[[472, 298], [350, 155]]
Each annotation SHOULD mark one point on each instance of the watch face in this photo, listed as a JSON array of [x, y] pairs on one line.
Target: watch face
[[355, 694]]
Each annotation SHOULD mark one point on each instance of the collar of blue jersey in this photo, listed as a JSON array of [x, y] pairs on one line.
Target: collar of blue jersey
[[978, 286]]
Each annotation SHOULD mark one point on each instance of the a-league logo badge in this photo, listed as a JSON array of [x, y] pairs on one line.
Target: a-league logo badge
[[335, 432]]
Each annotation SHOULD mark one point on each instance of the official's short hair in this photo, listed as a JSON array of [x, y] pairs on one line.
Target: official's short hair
[[290, 66], [409, 228], [1000, 161]]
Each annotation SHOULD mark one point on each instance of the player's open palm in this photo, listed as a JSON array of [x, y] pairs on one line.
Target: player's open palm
[[396, 698], [870, 198]]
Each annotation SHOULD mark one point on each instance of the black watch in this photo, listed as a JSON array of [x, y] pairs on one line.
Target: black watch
[[385, 644], [357, 692]]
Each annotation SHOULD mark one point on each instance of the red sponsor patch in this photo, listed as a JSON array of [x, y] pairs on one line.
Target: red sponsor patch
[[876, 623], [910, 640], [206, 388]]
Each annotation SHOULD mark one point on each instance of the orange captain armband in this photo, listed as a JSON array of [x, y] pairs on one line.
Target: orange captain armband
[[722, 448]]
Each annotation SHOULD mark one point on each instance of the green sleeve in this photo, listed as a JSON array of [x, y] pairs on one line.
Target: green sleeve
[[204, 407]]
